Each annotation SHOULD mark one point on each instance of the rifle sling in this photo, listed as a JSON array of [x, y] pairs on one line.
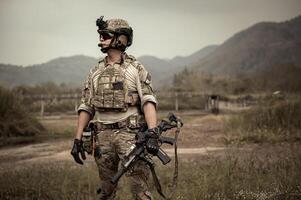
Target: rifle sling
[[172, 186], [156, 181]]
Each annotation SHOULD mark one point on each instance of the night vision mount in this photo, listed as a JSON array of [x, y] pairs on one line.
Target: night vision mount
[[101, 23]]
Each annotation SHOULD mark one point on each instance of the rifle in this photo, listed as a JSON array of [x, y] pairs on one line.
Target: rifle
[[139, 152]]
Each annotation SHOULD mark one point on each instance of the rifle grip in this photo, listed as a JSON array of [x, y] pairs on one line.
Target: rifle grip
[[163, 157]]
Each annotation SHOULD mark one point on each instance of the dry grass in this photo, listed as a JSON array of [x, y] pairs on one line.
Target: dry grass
[[273, 120], [60, 125], [264, 172]]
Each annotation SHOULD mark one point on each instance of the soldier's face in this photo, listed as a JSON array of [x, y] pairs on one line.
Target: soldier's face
[[105, 39]]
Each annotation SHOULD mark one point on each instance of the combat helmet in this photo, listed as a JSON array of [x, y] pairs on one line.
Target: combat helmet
[[117, 28]]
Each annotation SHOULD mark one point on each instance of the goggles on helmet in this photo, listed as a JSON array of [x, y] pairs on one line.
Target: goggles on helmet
[[105, 35]]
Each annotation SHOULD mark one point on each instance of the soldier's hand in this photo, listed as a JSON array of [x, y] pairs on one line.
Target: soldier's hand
[[78, 149], [152, 142]]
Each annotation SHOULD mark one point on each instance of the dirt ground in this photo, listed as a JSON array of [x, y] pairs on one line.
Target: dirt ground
[[201, 134]]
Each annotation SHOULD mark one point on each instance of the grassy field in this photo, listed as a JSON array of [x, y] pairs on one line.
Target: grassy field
[[272, 121], [263, 172], [267, 168]]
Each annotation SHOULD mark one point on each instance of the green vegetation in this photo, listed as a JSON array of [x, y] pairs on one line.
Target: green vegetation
[[264, 173], [284, 77], [31, 95], [192, 80], [47, 88], [273, 120], [60, 126], [15, 119]]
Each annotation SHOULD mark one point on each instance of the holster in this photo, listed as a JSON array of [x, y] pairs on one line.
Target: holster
[[89, 140]]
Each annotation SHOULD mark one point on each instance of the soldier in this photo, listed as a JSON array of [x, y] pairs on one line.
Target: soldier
[[118, 100]]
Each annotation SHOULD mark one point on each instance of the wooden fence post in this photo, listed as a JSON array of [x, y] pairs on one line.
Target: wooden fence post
[[176, 102], [42, 108], [75, 106]]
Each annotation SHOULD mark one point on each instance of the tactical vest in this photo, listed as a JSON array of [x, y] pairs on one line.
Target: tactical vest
[[111, 92]]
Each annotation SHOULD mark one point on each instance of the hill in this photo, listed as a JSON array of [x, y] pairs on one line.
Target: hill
[[200, 54], [163, 70], [73, 70], [255, 49]]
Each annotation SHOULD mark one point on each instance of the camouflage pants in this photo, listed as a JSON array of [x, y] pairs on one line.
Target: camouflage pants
[[114, 145]]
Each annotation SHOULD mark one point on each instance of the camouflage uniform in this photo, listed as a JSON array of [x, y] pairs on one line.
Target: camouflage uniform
[[115, 94]]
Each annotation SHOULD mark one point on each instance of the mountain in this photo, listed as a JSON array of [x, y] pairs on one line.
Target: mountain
[[255, 49], [73, 70], [162, 71], [61, 70], [185, 61], [158, 68]]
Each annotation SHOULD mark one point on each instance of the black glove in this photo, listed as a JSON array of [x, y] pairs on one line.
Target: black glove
[[78, 149], [152, 141]]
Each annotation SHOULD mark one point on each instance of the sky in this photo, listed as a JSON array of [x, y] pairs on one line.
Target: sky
[[36, 31]]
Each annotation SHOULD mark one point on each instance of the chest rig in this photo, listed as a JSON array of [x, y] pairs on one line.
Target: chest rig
[[111, 91]]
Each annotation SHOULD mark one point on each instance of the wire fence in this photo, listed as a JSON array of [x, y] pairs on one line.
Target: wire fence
[[167, 101]]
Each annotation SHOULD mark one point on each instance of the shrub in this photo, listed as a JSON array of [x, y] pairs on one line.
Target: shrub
[[271, 120], [15, 119]]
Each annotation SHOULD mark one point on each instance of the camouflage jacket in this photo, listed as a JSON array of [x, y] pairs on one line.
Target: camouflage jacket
[[138, 86]]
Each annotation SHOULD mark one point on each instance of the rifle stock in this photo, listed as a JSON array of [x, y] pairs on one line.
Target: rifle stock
[[118, 175], [134, 155]]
